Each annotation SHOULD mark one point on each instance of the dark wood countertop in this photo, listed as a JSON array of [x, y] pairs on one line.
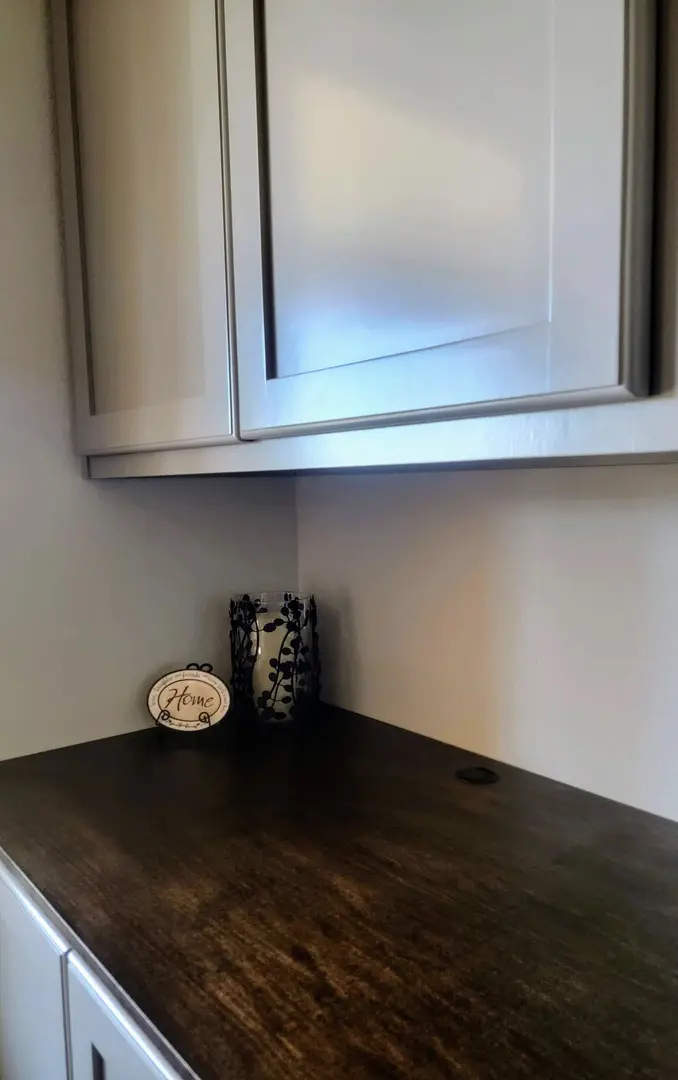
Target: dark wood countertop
[[334, 904]]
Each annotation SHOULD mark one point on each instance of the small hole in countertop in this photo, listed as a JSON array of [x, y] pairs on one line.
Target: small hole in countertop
[[477, 774]]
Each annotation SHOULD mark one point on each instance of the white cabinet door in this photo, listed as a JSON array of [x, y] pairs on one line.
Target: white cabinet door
[[140, 96], [440, 208], [106, 1044], [32, 959]]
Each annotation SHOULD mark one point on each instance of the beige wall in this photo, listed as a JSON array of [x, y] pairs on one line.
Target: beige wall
[[102, 585], [531, 616]]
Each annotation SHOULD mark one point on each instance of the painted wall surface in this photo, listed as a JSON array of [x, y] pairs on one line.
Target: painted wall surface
[[102, 585], [531, 616]]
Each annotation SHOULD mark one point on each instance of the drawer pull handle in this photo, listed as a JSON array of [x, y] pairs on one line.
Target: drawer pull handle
[[98, 1065]]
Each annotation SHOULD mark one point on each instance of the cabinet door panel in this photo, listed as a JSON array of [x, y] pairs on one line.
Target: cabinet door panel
[[105, 1042], [410, 200], [146, 240], [431, 217], [32, 1026]]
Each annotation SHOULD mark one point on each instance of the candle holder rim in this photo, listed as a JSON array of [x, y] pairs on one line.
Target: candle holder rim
[[272, 594]]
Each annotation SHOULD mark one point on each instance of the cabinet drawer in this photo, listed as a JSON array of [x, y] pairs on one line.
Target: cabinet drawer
[[106, 1044]]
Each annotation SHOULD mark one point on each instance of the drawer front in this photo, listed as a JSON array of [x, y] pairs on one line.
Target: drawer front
[[106, 1044]]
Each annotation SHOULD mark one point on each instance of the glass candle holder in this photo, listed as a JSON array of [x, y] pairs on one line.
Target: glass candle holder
[[274, 653]]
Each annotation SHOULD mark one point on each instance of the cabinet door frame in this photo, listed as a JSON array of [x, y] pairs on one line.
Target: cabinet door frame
[[208, 420], [304, 404]]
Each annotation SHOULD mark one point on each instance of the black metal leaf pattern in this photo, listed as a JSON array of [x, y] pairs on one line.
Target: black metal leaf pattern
[[294, 673]]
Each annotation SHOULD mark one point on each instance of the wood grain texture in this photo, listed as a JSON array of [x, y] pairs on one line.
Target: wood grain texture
[[333, 903]]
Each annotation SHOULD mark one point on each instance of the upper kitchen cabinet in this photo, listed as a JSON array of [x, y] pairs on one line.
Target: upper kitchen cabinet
[[439, 208], [140, 96]]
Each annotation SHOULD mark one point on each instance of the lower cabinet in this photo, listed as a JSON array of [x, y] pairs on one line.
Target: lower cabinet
[[32, 963], [106, 1044], [54, 1008]]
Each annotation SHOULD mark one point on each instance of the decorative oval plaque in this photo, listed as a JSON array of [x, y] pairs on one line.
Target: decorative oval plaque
[[192, 699]]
